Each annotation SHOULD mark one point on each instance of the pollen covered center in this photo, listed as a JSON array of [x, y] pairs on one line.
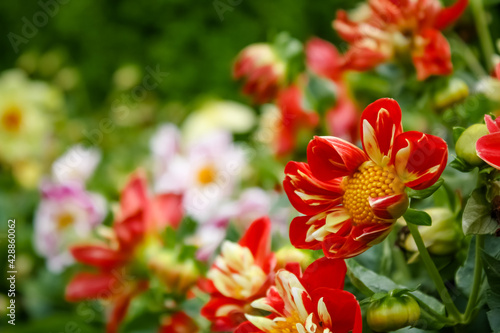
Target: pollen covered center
[[288, 325], [369, 181]]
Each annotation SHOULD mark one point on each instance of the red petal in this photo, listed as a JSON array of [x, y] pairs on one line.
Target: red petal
[[324, 273], [90, 286], [130, 231], [258, 239], [343, 308], [497, 71], [419, 159], [362, 58], [247, 327], [298, 234], [323, 58], [224, 323], [488, 149], [347, 29], [450, 14], [166, 210], [492, 125], [331, 157], [121, 304], [389, 207], [134, 196], [307, 194], [433, 57], [98, 256], [179, 322], [359, 239], [380, 125]]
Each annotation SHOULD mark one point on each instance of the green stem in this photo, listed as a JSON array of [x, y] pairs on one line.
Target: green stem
[[476, 284], [434, 273], [483, 32]]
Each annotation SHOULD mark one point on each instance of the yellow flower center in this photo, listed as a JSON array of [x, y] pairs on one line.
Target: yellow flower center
[[207, 174], [289, 325], [369, 181], [11, 119], [64, 220]]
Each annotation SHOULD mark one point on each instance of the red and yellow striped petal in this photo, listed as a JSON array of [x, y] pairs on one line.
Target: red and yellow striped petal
[[432, 54], [419, 159], [493, 125], [488, 149], [307, 194], [380, 125], [389, 207], [330, 157]]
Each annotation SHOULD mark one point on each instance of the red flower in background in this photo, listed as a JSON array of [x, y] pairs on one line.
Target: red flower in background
[[488, 146], [261, 70], [324, 60], [179, 322], [384, 29], [350, 197], [241, 273], [314, 302], [294, 118], [139, 217]]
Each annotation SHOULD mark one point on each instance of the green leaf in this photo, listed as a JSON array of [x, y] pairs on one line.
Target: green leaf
[[492, 270], [371, 284], [461, 165], [422, 194], [320, 94], [457, 131], [493, 300], [477, 215], [417, 217]]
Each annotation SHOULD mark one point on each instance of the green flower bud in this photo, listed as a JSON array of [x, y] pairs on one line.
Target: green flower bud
[[466, 144], [443, 237], [455, 92], [392, 313]]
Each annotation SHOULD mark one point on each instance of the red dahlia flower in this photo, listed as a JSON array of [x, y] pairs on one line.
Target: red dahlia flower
[[314, 302], [488, 146], [262, 71], [241, 273], [139, 216], [350, 197], [384, 29]]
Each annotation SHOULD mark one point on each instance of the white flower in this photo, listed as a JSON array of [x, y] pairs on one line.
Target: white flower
[[76, 165], [218, 115], [66, 214]]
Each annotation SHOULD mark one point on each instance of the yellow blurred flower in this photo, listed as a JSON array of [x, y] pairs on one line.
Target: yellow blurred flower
[[26, 116]]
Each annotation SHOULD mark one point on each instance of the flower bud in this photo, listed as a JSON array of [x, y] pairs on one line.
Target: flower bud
[[290, 254], [466, 144], [392, 313], [455, 92], [262, 70], [177, 276], [443, 237]]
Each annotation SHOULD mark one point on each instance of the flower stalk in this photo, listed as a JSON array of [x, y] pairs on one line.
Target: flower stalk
[[483, 32], [434, 274]]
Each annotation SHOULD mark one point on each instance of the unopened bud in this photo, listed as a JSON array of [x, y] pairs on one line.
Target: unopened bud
[[466, 144], [392, 313], [455, 92]]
